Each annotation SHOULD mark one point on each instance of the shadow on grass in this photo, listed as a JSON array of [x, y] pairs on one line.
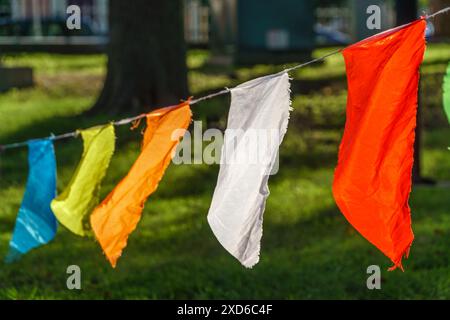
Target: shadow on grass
[[319, 256], [173, 264]]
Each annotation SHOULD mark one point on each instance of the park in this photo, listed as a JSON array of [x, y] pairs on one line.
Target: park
[[308, 251]]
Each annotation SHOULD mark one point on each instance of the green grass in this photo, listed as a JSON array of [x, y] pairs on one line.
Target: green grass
[[308, 248]]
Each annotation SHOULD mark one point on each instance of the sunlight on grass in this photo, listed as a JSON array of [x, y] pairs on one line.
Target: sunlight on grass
[[308, 249], [46, 63]]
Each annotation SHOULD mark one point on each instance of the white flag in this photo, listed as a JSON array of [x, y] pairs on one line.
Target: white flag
[[257, 123]]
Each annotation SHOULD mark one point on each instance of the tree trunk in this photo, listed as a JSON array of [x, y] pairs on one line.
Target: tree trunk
[[407, 12], [146, 57], [442, 24]]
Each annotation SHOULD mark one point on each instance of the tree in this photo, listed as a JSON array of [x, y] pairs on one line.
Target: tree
[[407, 12], [441, 25], [146, 57]]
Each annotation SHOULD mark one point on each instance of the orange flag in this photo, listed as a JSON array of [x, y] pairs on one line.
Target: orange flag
[[117, 216], [372, 180]]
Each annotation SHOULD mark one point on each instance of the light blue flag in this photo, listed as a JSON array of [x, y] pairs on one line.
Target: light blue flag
[[36, 224]]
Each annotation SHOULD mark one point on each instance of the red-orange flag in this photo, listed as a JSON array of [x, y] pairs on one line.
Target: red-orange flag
[[118, 215], [372, 180]]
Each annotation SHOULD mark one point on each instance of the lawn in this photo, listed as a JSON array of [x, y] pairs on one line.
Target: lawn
[[309, 251]]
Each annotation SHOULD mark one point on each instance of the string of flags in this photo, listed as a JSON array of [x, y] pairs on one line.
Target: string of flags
[[372, 180]]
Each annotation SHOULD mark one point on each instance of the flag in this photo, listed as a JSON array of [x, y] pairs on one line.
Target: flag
[[35, 224], [372, 180], [82, 193], [118, 215], [446, 90], [258, 108]]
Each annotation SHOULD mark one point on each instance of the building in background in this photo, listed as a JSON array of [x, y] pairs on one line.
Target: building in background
[[244, 29], [344, 22], [196, 22], [359, 16], [94, 12], [271, 31], [5, 9], [41, 25]]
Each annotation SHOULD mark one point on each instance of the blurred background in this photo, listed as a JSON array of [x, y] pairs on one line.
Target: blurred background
[[132, 56]]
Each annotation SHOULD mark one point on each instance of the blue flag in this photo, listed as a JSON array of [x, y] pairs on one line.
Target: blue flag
[[36, 224]]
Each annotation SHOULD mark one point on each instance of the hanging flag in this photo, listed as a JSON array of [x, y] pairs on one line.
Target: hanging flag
[[446, 90], [117, 216], [82, 194], [258, 109], [35, 223], [372, 180]]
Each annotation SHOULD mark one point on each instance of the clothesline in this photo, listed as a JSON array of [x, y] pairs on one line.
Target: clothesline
[[129, 120]]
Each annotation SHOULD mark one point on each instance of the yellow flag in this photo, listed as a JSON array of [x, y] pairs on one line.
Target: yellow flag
[[82, 193]]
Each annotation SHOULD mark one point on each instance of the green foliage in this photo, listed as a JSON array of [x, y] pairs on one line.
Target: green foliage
[[308, 248], [446, 90]]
